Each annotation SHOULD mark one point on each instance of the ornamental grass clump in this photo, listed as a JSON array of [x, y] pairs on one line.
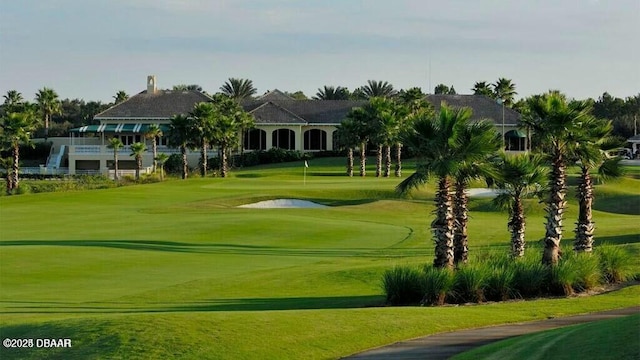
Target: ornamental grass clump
[[403, 285], [470, 282], [616, 264], [438, 284], [530, 276]]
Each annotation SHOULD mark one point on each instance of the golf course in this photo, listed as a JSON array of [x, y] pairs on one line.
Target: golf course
[[177, 270]]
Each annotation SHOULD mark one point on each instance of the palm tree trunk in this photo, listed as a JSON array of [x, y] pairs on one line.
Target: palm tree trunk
[[185, 166], [379, 161], [46, 126], [203, 158], [15, 182], [115, 164], [138, 166], [398, 160], [584, 226], [223, 160], [387, 160], [517, 227], [363, 159], [460, 212], [442, 226], [555, 211], [154, 146], [9, 181], [350, 162]]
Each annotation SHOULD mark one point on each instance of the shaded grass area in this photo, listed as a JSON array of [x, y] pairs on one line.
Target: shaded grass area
[[607, 339]]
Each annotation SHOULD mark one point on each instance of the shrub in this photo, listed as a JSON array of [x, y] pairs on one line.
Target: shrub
[[500, 284], [616, 264], [530, 276], [470, 282], [173, 165], [588, 271], [403, 285], [564, 276], [438, 284]]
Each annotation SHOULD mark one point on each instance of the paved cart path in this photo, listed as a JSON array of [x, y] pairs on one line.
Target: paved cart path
[[443, 346]]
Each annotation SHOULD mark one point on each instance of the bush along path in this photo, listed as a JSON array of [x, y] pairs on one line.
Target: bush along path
[[446, 345]]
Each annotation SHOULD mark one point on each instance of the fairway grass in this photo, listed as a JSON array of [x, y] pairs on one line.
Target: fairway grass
[[607, 339], [176, 270]]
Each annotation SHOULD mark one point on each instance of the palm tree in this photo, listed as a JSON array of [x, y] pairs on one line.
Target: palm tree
[[153, 133], [13, 100], [116, 144], [229, 119], [238, 89], [348, 138], [519, 176], [7, 163], [203, 119], [161, 159], [482, 88], [185, 87], [137, 150], [555, 124], [505, 90], [180, 136], [362, 117], [378, 89], [435, 141], [49, 105], [332, 93], [595, 139], [16, 129], [477, 142], [444, 89], [413, 102], [120, 96]]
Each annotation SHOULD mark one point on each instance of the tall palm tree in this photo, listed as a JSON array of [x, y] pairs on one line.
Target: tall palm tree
[[180, 136], [203, 115], [505, 90], [518, 176], [238, 89], [227, 125], [348, 138], [137, 150], [153, 133], [161, 159], [595, 139], [555, 124], [378, 89], [49, 105], [482, 88], [413, 102], [16, 129], [363, 119], [7, 163], [332, 93], [435, 139], [477, 142], [116, 144], [13, 100]]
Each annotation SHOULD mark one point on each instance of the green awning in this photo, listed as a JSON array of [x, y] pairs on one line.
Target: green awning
[[118, 128], [515, 134]]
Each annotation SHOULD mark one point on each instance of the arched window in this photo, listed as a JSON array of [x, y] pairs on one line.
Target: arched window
[[283, 139], [255, 139], [315, 139]]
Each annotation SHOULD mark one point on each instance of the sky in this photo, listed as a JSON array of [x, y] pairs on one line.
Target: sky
[[90, 49]]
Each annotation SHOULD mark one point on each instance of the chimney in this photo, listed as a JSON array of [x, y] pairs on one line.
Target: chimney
[[151, 84]]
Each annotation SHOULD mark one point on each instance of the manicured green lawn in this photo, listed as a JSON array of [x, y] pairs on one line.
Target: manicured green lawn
[[607, 339], [176, 270]]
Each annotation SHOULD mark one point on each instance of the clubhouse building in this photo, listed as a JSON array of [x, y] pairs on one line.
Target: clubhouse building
[[280, 122]]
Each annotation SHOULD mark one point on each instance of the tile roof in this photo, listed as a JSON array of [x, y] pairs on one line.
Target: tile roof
[[270, 113], [161, 104], [305, 111], [483, 107], [274, 95]]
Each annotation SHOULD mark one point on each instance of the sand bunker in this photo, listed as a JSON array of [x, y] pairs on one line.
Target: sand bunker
[[282, 203], [483, 192]]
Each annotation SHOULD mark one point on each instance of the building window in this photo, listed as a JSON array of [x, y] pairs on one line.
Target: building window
[[515, 140], [284, 139], [255, 139], [315, 139]]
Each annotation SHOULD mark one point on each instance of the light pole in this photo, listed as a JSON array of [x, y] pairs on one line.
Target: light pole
[[501, 102]]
